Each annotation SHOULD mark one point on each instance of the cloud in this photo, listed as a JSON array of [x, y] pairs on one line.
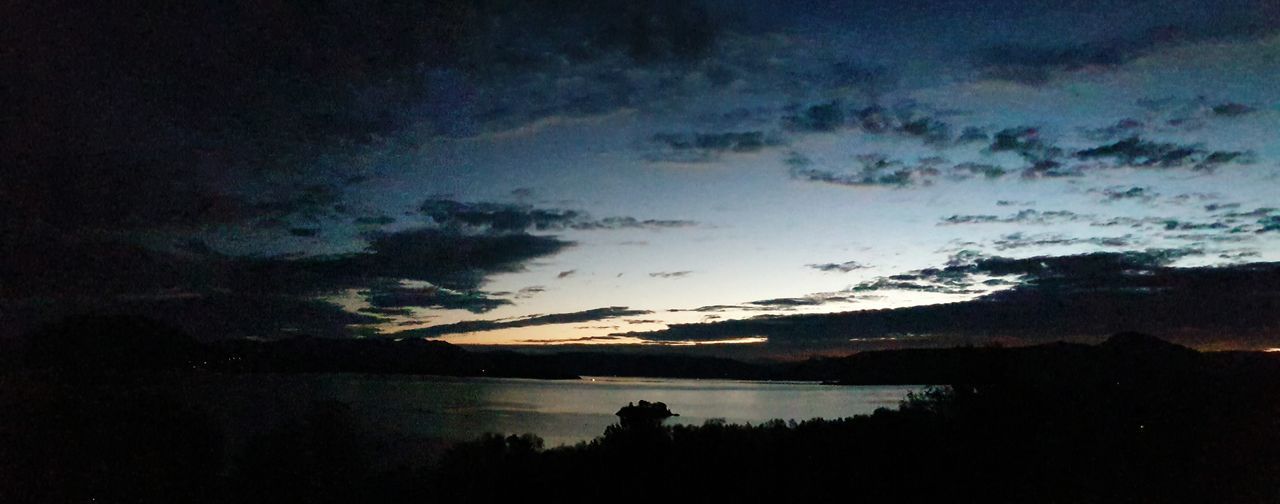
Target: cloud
[[1028, 216], [583, 339], [1145, 194], [54, 275], [566, 274], [843, 267], [906, 118], [1024, 240], [1025, 141], [400, 296], [470, 326], [379, 220], [1034, 65], [1134, 151], [670, 274], [496, 216], [870, 80], [879, 170], [444, 258], [876, 171], [110, 136], [1037, 64], [823, 117], [1088, 295], [706, 147], [931, 131], [530, 291], [396, 312], [813, 300], [632, 223], [507, 217], [1232, 109], [1121, 129]]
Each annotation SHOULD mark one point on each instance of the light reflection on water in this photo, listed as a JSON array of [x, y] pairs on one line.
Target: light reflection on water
[[561, 412]]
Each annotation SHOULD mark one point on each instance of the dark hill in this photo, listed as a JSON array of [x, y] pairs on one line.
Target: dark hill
[[1124, 357]]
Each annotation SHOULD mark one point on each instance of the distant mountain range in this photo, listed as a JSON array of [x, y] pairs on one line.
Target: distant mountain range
[[115, 345]]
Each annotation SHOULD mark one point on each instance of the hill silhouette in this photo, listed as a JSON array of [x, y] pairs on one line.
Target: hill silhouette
[[1133, 419], [95, 345]]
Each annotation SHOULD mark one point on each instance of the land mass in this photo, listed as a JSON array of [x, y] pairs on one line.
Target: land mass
[[124, 344]]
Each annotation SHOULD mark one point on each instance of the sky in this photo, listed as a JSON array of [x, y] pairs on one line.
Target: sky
[[807, 177]]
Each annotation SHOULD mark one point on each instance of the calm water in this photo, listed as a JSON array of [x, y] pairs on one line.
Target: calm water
[[561, 412]]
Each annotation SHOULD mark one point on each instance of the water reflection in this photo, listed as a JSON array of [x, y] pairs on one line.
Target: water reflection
[[561, 412]]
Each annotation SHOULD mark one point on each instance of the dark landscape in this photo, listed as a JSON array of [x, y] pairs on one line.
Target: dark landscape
[[384, 251], [1133, 419]]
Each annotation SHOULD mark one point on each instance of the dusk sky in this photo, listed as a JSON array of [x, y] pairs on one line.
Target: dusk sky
[[662, 173]]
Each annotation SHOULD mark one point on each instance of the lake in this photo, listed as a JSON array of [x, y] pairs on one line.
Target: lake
[[559, 411]]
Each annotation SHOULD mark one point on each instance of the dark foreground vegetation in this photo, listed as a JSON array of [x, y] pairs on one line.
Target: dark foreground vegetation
[[1132, 420]]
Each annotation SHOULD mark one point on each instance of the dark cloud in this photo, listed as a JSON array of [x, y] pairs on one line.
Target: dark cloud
[[583, 339], [530, 291], [1034, 65], [496, 216], [52, 275], [986, 170], [1134, 151], [711, 308], [870, 80], [206, 316], [400, 296], [843, 267], [1214, 207], [1270, 223], [876, 171], [133, 114], [973, 134], [1129, 193], [1232, 109], [1060, 297], [906, 118], [380, 220], [931, 131], [490, 325], [632, 223], [706, 147], [193, 114], [918, 284], [670, 274], [1026, 142], [664, 30], [822, 117], [1179, 114], [507, 217], [1123, 128], [874, 119], [1024, 240], [788, 303], [1028, 216], [396, 312], [444, 258], [566, 274]]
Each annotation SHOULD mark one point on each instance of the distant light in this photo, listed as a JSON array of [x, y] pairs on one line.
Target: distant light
[[1272, 349]]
